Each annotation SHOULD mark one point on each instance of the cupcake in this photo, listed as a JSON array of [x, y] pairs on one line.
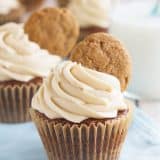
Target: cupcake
[[92, 15], [31, 4], [10, 11], [22, 66], [63, 3], [80, 113]]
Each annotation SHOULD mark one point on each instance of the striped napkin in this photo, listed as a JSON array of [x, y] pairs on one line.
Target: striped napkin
[[21, 142]]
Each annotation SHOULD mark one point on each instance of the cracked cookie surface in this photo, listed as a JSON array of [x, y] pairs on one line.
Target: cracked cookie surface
[[104, 53], [53, 29]]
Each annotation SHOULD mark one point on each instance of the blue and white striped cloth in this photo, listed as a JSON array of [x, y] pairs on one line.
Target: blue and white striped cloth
[[21, 142]]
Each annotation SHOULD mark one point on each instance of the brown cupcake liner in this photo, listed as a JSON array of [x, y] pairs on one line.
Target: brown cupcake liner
[[63, 3], [13, 16], [84, 32], [89, 140], [15, 100]]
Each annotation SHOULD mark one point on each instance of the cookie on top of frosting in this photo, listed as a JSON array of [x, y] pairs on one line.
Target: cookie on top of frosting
[[104, 53]]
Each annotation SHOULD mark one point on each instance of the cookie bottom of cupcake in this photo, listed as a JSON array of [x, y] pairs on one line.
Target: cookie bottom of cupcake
[[13, 16], [89, 30], [92, 139], [15, 100]]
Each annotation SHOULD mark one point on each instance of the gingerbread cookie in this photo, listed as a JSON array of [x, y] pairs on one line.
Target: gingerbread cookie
[[53, 29], [31, 4], [104, 53]]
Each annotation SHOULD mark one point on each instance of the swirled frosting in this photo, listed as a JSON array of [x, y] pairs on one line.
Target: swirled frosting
[[91, 12], [7, 5], [76, 93], [21, 59]]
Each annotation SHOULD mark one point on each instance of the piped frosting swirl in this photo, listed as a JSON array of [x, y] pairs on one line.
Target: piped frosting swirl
[[21, 59], [91, 12], [76, 93]]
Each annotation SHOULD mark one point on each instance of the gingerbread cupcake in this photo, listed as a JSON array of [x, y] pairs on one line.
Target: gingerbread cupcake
[[22, 66], [53, 29], [10, 11], [31, 4], [80, 113], [92, 15]]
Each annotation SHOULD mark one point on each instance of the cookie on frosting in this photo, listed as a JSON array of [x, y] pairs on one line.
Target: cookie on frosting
[[53, 29], [104, 53]]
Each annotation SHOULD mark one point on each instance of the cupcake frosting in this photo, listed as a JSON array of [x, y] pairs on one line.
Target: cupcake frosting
[[21, 59], [76, 93], [91, 12], [7, 5]]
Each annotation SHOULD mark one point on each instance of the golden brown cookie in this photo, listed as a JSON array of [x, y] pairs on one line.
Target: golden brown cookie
[[53, 29], [31, 4], [102, 52]]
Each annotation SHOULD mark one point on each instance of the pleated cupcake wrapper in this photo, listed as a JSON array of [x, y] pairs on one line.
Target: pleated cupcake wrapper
[[15, 101], [85, 32], [63, 3], [93, 141], [13, 16]]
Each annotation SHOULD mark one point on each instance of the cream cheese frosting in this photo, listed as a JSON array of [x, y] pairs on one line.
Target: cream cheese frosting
[[76, 93], [7, 5], [21, 59], [91, 12]]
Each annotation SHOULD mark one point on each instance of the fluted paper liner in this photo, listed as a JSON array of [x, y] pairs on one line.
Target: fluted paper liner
[[63, 3], [93, 140], [15, 101], [84, 32], [13, 16]]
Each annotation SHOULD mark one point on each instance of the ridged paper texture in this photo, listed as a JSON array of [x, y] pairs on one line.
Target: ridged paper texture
[[91, 141], [13, 16], [15, 101], [63, 3]]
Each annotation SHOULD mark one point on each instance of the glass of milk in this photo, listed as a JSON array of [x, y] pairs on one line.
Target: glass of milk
[[139, 30]]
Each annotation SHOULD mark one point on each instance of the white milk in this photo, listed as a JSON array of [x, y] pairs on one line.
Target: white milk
[[140, 33]]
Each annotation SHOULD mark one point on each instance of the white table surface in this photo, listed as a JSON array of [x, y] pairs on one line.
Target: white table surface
[[152, 109]]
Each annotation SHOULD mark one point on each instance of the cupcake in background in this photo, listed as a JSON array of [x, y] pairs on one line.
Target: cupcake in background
[[63, 3], [31, 4], [10, 11], [80, 113], [23, 64], [92, 15]]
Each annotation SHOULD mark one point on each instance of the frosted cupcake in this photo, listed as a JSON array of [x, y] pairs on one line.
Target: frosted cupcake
[[22, 66], [10, 10], [92, 15], [80, 113]]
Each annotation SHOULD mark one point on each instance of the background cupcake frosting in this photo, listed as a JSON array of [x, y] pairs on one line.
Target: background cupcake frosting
[[21, 59], [91, 12], [76, 93], [7, 5]]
